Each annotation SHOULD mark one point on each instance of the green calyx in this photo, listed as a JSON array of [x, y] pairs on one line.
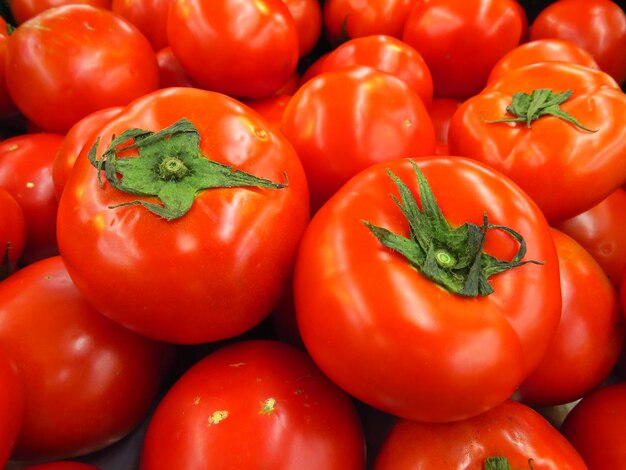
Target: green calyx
[[530, 107], [169, 167], [449, 256], [501, 463]]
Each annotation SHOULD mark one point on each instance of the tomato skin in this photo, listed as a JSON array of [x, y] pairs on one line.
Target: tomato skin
[[26, 172], [171, 72], [594, 427], [566, 170], [598, 26], [24, 10], [307, 15], [342, 122], [253, 45], [271, 108], [441, 111], [590, 334], [394, 339], [12, 228], [462, 41], [100, 362], [602, 231], [7, 107], [542, 50], [11, 406], [148, 16], [73, 143], [312, 421], [511, 430], [246, 238], [76, 59]]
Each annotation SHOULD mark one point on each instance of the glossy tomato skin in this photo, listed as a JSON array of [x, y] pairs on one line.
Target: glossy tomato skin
[[23, 10], [595, 427], [307, 15], [252, 45], [598, 26], [271, 108], [226, 259], [73, 361], [342, 122], [565, 169], [441, 111], [462, 41], [396, 340], [7, 107], [602, 231], [254, 404], [26, 172], [149, 16], [590, 334], [73, 143], [171, 72], [12, 229], [76, 59], [511, 430], [11, 406]]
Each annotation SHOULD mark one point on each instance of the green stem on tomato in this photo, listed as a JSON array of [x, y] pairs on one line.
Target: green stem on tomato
[[501, 463]]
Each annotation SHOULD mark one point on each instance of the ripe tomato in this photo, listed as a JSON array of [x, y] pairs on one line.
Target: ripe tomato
[[26, 172], [72, 362], [271, 108], [342, 122], [254, 404], [12, 232], [7, 107], [307, 15], [402, 343], [76, 59], [566, 169], [598, 26], [602, 231], [11, 406], [441, 111], [226, 258], [590, 334], [23, 10], [595, 427], [171, 72], [252, 45], [462, 41], [510, 430], [148, 16]]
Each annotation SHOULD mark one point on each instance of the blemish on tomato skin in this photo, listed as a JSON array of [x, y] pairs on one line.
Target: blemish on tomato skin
[[218, 416], [268, 406], [237, 364]]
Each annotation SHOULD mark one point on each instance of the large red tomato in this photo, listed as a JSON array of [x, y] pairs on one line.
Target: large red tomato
[[23, 10], [73, 60], [254, 404], [11, 406], [243, 48], [149, 16], [87, 380], [307, 15], [424, 349], [195, 240], [12, 232]]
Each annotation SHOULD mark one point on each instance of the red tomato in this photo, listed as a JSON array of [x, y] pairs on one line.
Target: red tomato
[[271, 108], [149, 16], [250, 46], [598, 26], [87, 381], [602, 231], [73, 143], [342, 122], [307, 15], [23, 10], [595, 427], [7, 107], [11, 406], [349, 19], [397, 340], [254, 404], [566, 169], [462, 41], [171, 71], [386, 54], [590, 334], [511, 430], [441, 111], [66, 465], [12, 232], [226, 258], [76, 59], [26, 172], [542, 50]]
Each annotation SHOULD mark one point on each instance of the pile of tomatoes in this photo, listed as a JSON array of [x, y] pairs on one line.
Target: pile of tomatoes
[[293, 234]]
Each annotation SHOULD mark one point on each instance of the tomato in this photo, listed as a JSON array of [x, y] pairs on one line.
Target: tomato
[[72, 362], [567, 169], [66, 465], [148, 16], [387, 54], [590, 335], [342, 122], [252, 45], [595, 427], [542, 50], [307, 15], [26, 172], [602, 231], [349, 19], [73, 143], [598, 26], [251, 404], [23, 10], [271, 108], [171, 72], [12, 232], [73, 60], [226, 257], [402, 343], [11, 406], [462, 41], [510, 430], [441, 111], [7, 107]]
